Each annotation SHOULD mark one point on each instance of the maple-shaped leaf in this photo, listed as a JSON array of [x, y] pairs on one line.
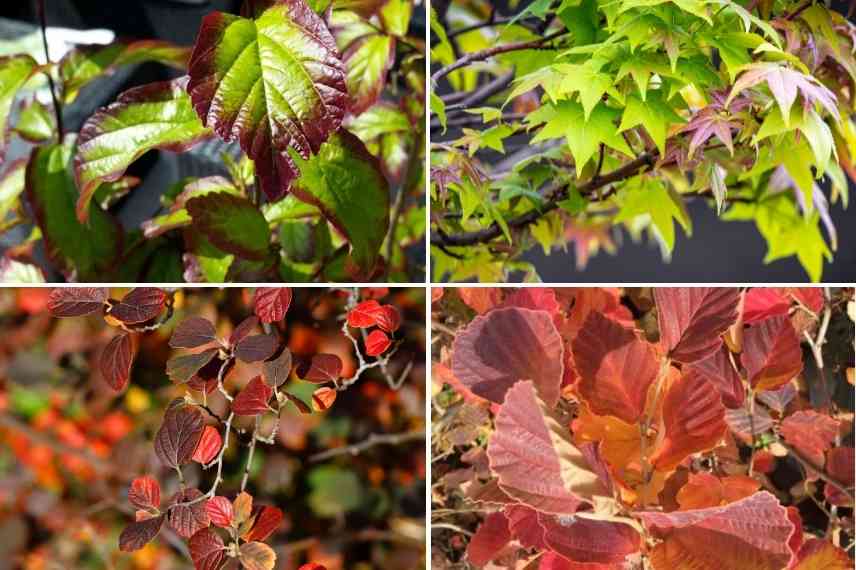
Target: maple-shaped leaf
[[377, 342], [810, 432], [266, 521], [139, 533], [323, 398], [179, 434], [188, 519], [183, 368], [749, 533], [764, 302], [819, 554], [271, 78], [692, 319], [145, 493], [253, 399], [647, 196], [592, 85], [15, 72], [141, 304], [490, 538], [655, 114], [707, 123], [506, 345], [219, 510], [721, 374], [257, 556], [76, 301], [615, 366], [276, 371], [320, 369], [209, 446], [771, 353], [271, 303], [206, 550], [533, 458], [839, 466], [115, 362], [256, 348], [704, 490], [192, 333]]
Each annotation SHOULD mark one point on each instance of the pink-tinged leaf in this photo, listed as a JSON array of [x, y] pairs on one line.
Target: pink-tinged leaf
[[818, 554], [796, 539], [253, 399], [377, 343], [444, 374], [389, 319], [273, 80], [206, 550], [257, 556], [364, 315], [137, 534], [193, 333], [839, 466], [707, 123], [219, 511], [276, 371], [272, 303], [778, 400], [506, 345], [179, 434], [145, 493], [181, 369], [489, 540], [525, 527], [209, 446], [810, 432], [809, 297], [615, 367], [718, 370], [243, 330], [323, 398], [481, 299], [784, 83], [749, 533], [139, 305], [741, 423], [693, 318], [115, 362], [256, 348], [589, 541], [322, 368], [694, 420], [537, 299], [771, 353], [76, 301], [267, 520], [187, 519], [552, 561], [764, 302], [533, 458]]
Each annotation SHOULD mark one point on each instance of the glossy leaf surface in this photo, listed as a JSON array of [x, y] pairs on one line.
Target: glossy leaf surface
[[231, 223]]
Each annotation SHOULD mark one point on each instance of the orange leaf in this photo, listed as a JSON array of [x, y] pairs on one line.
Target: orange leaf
[[481, 299], [257, 556], [817, 554], [705, 490]]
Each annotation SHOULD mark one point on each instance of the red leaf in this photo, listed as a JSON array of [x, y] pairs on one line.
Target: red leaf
[[219, 510], [538, 299], [552, 561], [277, 371], [181, 369], [323, 398], [818, 554], [209, 446], [718, 370], [268, 520], [693, 318], [740, 422], [796, 539], [764, 302], [312, 566], [206, 550], [271, 303], [444, 374], [533, 458], [144, 493], [489, 540], [771, 353], [810, 297], [243, 330], [257, 347], [589, 541], [839, 465], [116, 360], [480, 299], [615, 367], [388, 318], [76, 301], [705, 490], [810, 433], [141, 304], [322, 368], [749, 533], [192, 333], [253, 399], [179, 434], [187, 520], [137, 534], [523, 524], [496, 350], [364, 315], [377, 343], [779, 399]]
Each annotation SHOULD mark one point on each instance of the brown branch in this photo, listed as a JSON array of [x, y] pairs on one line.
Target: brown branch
[[371, 441]]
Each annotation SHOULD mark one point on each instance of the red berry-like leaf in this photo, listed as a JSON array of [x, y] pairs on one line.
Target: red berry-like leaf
[[839, 466], [377, 343], [364, 315], [267, 520], [139, 533], [253, 399], [489, 540], [181, 369], [276, 371], [388, 318], [209, 446], [192, 333], [219, 510], [271, 303], [322, 368], [615, 366], [139, 305], [718, 370], [145, 493], [187, 520], [810, 432], [692, 319], [764, 302], [206, 550], [323, 398], [243, 330], [506, 345], [76, 301], [771, 353], [179, 434], [115, 362], [257, 347]]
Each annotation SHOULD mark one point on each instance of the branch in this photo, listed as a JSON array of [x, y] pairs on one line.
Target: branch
[[373, 440], [479, 94], [57, 107]]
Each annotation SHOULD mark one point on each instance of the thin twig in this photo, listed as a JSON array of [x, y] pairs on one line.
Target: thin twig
[[56, 105], [373, 440], [250, 454]]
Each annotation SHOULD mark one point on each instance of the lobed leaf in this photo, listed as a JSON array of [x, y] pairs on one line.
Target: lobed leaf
[[771, 353], [206, 550], [231, 223], [253, 399], [76, 301], [193, 333], [271, 303], [692, 319], [115, 362], [178, 436], [139, 533]]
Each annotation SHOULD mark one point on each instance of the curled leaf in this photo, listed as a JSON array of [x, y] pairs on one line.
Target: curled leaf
[[377, 343]]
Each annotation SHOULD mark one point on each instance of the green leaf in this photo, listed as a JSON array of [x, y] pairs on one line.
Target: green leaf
[[90, 249], [231, 223], [154, 116], [590, 84], [15, 71], [37, 123], [819, 137], [178, 217], [272, 79], [648, 196], [382, 119], [716, 175], [368, 60], [345, 182], [581, 20], [654, 114], [695, 7], [11, 186], [395, 16], [574, 204], [438, 107]]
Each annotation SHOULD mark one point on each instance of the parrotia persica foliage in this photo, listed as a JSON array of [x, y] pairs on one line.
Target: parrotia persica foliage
[[649, 428], [325, 101], [218, 528], [621, 113]]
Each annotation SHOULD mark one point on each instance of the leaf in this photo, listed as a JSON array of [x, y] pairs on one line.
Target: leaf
[[219, 510], [705, 490], [654, 114], [90, 250], [719, 372], [819, 554], [742, 424], [839, 465], [276, 371], [587, 541], [243, 330], [368, 60], [256, 348], [182, 368], [231, 223], [187, 520], [206, 550], [271, 303], [242, 507], [193, 332], [490, 539], [345, 182], [749, 533], [115, 362], [15, 71], [322, 368], [779, 399], [335, 491], [273, 80], [257, 556], [481, 299], [323, 398], [532, 455], [208, 447], [692, 319], [253, 399], [137, 534], [364, 315], [810, 432], [651, 197], [178, 436], [506, 345], [154, 116], [771, 353], [395, 16], [140, 305], [76, 301], [145, 493], [36, 123], [377, 343], [764, 302], [710, 121], [615, 368], [267, 521], [12, 183]]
